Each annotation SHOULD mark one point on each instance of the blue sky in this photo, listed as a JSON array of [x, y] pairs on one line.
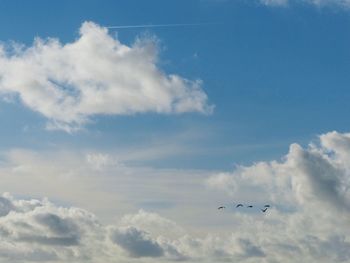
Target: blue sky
[[145, 129], [275, 75]]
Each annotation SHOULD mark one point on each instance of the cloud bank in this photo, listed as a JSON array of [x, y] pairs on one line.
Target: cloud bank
[[308, 190], [93, 75], [40, 231]]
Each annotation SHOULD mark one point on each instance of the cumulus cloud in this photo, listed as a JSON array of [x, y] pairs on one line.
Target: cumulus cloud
[[38, 230], [153, 224], [41, 231], [309, 193], [95, 74], [136, 242], [34, 230], [318, 174], [308, 190]]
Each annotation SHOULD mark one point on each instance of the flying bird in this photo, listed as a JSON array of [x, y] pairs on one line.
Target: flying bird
[[250, 206], [264, 210], [266, 205], [239, 205], [221, 207]]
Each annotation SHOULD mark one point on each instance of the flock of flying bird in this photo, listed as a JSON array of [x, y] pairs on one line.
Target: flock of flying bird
[[249, 206]]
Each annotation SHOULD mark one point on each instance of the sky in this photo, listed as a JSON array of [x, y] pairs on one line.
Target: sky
[[119, 144]]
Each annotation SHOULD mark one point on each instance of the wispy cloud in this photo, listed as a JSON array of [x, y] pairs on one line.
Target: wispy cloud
[[318, 3], [275, 2]]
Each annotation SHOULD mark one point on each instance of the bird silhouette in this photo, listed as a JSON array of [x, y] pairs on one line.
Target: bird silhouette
[[266, 205], [221, 207], [250, 206], [239, 205], [264, 210]]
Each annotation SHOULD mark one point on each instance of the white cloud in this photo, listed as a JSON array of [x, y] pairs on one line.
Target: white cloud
[[89, 178], [136, 242], [314, 175], [308, 190], [35, 230], [153, 224], [319, 3], [95, 74], [100, 161], [275, 2]]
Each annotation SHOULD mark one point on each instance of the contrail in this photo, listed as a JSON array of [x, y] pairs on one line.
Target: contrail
[[159, 25]]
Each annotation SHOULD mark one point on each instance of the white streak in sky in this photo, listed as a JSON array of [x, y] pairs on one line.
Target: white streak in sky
[[159, 25]]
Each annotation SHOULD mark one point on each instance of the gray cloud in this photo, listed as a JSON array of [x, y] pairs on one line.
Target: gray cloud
[[250, 250], [35, 230], [6, 206], [308, 221], [136, 242], [309, 176], [322, 177]]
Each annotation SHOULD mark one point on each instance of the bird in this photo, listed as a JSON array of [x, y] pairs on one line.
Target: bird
[[239, 205], [266, 205], [221, 207], [250, 206], [264, 210]]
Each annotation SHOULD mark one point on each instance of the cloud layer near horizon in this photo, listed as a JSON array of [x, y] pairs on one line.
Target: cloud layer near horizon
[[38, 230], [95, 74], [308, 221]]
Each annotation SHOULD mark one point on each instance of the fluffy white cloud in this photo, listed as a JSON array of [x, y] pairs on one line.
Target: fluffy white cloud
[[40, 231], [319, 174], [308, 190], [95, 74], [34, 230], [153, 224]]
